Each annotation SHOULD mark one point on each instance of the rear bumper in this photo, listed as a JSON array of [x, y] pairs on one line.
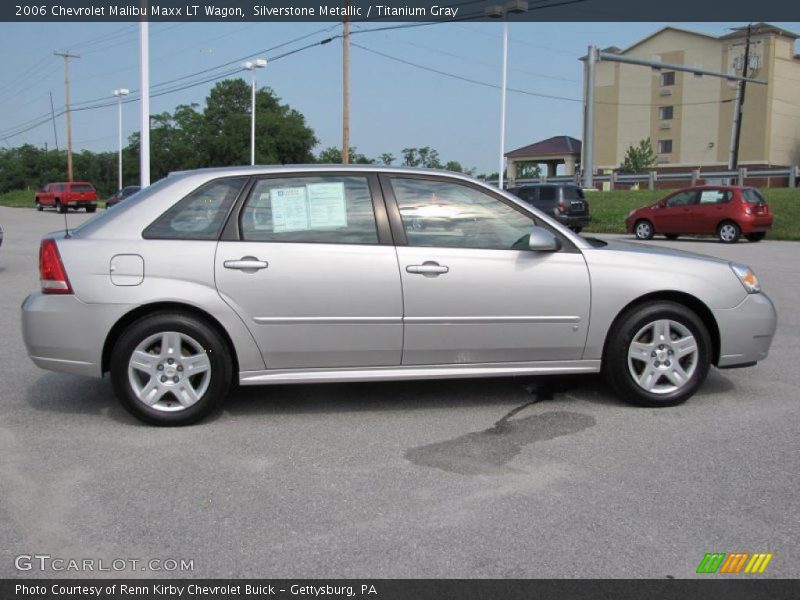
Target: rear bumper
[[757, 224], [64, 334], [746, 331], [574, 220], [81, 204]]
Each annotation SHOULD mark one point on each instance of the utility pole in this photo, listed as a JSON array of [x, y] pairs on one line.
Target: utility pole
[[66, 56], [738, 110], [53, 115], [120, 94], [144, 86], [587, 164], [346, 90], [504, 78]]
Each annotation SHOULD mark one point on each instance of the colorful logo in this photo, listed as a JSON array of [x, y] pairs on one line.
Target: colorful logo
[[735, 562]]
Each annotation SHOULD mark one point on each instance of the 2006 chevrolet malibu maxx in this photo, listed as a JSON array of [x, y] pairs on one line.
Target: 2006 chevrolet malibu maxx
[[320, 274]]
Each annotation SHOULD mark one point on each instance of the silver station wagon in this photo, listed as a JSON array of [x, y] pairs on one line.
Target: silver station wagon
[[299, 274]]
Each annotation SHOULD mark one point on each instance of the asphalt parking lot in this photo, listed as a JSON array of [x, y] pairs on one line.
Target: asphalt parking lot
[[516, 477]]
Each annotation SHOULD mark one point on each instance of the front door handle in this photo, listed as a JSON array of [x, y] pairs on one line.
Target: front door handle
[[429, 269], [246, 263]]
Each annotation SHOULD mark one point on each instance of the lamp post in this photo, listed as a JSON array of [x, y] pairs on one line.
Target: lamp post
[[252, 65], [497, 11], [120, 94]]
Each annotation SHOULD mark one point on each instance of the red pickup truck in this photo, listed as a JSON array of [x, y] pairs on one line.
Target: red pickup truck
[[63, 196]]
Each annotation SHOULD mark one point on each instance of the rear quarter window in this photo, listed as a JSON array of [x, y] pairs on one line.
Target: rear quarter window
[[573, 193], [200, 215], [753, 196], [548, 195]]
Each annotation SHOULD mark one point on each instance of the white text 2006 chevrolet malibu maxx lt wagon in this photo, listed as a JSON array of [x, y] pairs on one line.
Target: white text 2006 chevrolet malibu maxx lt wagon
[[327, 273]]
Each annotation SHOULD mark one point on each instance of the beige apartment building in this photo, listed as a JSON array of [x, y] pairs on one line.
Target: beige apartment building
[[689, 118]]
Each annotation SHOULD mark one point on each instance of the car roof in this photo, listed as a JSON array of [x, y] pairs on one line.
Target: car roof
[[553, 184]]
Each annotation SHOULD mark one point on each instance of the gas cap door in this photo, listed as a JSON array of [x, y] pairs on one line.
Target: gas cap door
[[126, 269]]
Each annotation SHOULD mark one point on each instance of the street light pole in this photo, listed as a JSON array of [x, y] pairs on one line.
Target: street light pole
[[144, 86], [496, 11], [252, 66], [120, 94]]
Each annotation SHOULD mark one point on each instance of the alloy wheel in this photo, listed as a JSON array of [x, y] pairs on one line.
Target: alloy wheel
[[169, 371], [662, 356]]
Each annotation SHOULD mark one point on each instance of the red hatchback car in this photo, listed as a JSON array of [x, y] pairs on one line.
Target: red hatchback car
[[725, 211]]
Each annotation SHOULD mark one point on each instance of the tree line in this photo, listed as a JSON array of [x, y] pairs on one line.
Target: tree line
[[190, 137]]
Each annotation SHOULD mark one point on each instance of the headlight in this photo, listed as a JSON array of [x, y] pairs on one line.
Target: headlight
[[747, 277]]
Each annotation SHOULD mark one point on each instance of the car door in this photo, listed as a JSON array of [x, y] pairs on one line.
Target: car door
[[473, 291], [676, 214], [710, 209], [308, 264]]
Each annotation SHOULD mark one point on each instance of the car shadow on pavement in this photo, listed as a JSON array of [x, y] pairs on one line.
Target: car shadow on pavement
[[69, 394]]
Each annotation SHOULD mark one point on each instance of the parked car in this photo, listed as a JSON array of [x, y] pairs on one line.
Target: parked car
[[564, 201], [65, 195], [1, 236], [120, 195], [725, 211], [302, 274]]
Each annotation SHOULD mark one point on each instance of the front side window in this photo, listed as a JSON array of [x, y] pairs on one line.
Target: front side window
[[200, 215], [452, 215], [322, 210], [681, 199]]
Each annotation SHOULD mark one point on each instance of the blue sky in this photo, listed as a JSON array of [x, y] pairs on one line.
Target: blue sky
[[393, 105]]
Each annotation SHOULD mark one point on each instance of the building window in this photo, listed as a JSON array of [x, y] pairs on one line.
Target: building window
[[668, 78], [665, 113], [665, 146]]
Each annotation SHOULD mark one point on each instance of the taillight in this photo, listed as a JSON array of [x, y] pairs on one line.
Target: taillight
[[52, 274], [748, 210], [562, 206]]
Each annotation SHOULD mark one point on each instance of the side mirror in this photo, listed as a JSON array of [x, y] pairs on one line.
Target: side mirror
[[542, 240]]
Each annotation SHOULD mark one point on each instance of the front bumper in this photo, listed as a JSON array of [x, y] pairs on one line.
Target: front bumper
[[746, 330], [64, 334]]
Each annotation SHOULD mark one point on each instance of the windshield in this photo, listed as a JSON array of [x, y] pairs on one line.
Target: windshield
[[82, 187]]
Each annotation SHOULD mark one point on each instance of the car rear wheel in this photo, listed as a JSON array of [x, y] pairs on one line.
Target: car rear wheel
[[658, 354], [672, 236], [170, 369], [60, 207], [755, 237], [643, 230], [728, 232]]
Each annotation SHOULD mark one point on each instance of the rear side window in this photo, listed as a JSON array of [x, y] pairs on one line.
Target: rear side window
[[547, 194], [326, 209], [82, 187], [753, 196], [527, 194], [573, 193], [714, 196], [198, 216]]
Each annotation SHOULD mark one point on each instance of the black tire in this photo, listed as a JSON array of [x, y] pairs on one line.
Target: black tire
[[755, 237], [728, 232], [91, 209], [216, 350], [615, 357], [577, 229], [39, 206], [671, 236], [60, 207], [643, 229]]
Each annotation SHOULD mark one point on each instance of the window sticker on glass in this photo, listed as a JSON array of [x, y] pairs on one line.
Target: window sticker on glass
[[289, 209], [326, 205]]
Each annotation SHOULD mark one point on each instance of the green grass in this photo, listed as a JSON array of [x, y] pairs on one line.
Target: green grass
[[609, 210], [18, 199]]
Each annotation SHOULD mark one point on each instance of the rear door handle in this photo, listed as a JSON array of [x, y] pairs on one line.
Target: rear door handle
[[246, 263], [429, 268]]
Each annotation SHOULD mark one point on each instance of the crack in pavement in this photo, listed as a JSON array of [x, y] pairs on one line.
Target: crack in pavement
[[487, 452]]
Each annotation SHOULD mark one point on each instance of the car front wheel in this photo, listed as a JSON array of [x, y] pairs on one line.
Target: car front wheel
[[643, 230], [658, 354], [170, 369]]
